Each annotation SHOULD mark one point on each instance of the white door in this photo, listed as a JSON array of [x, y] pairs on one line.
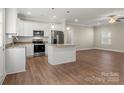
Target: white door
[[2, 61]]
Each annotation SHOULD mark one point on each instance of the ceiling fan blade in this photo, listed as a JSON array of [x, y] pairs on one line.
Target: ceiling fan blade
[[118, 20], [121, 18]]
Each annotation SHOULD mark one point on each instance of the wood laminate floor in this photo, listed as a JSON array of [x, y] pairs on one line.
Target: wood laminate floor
[[91, 67]]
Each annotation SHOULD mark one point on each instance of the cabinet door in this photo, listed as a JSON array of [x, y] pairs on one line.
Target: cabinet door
[[15, 58], [30, 49], [59, 27], [46, 49], [20, 28], [11, 20], [28, 29], [46, 30], [46, 33], [37, 26]]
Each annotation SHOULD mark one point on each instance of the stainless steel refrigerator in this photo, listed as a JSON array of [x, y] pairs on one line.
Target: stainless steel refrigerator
[[57, 37]]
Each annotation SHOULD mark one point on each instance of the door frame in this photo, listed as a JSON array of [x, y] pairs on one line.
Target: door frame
[[4, 73]]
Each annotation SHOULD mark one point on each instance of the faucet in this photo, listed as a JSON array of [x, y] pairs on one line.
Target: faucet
[[14, 37]]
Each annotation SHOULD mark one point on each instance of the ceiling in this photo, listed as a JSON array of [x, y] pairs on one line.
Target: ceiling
[[83, 16]]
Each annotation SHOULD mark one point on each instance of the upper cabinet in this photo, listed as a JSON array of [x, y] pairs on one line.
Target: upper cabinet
[[11, 20], [37, 26], [20, 27], [28, 28], [58, 27]]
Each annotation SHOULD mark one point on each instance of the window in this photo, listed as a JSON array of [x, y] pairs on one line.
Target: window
[[106, 38]]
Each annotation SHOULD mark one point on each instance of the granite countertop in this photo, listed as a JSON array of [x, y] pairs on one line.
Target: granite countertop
[[20, 45], [17, 45], [23, 42], [8, 46], [62, 45]]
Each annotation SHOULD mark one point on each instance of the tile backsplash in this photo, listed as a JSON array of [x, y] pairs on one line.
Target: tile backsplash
[[9, 40], [29, 39]]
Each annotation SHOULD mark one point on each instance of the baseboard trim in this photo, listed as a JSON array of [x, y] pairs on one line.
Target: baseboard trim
[[84, 49], [8, 73], [100, 49], [2, 79], [109, 50]]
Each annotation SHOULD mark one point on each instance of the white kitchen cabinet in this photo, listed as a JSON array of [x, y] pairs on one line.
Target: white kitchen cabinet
[[47, 30], [15, 60], [11, 20], [29, 50], [47, 33], [36, 26], [28, 28], [58, 27], [58, 54], [42, 26], [46, 49], [20, 27]]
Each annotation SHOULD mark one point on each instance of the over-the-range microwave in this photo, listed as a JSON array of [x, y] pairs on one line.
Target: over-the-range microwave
[[38, 33]]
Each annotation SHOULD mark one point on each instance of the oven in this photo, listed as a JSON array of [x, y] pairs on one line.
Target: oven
[[39, 47]]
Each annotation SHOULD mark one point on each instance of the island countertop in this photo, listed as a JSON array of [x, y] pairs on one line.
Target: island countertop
[[61, 45]]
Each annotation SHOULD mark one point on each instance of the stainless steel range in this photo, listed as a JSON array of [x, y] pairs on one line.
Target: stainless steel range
[[39, 47]]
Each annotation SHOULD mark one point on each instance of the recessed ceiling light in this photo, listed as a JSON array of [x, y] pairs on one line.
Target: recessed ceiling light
[[67, 11], [52, 26], [54, 16], [29, 12], [68, 28], [53, 8], [76, 20]]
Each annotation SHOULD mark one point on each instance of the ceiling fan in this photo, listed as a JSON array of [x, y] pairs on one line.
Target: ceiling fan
[[115, 18]]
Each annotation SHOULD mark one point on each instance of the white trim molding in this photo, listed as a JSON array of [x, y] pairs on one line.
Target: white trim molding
[[113, 50], [84, 49], [2, 78], [110, 50], [83, 25]]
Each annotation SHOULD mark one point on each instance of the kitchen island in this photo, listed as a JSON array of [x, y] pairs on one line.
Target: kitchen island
[[61, 53]]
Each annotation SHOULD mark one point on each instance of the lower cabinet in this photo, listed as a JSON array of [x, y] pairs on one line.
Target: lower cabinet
[[15, 60], [46, 49], [29, 50]]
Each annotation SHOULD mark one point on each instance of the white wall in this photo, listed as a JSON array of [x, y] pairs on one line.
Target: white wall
[[82, 36], [117, 31]]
